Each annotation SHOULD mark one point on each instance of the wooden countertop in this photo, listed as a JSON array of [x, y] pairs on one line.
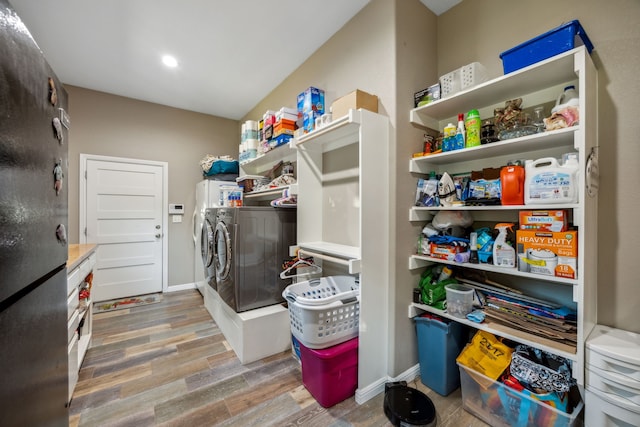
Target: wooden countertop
[[78, 253]]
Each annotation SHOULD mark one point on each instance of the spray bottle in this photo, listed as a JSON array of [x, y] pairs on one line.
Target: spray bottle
[[504, 255]]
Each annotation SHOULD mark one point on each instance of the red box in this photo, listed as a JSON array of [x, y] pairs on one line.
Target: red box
[[330, 374]]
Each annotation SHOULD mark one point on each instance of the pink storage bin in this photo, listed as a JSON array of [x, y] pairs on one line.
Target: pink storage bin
[[331, 374]]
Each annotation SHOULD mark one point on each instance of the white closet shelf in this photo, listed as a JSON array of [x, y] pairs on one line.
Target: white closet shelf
[[425, 213], [551, 72], [564, 350], [333, 252], [339, 133], [539, 141], [419, 261], [267, 193], [285, 152]]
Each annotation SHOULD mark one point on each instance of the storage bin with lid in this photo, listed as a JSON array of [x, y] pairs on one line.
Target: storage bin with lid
[[330, 374], [500, 405], [553, 42]]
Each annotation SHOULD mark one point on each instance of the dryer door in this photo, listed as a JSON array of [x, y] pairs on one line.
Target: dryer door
[[207, 251], [222, 248], [206, 243]]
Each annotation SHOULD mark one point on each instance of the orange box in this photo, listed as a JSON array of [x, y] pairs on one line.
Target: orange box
[[285, 123], [550, 220], [549, 253], [279, 130]]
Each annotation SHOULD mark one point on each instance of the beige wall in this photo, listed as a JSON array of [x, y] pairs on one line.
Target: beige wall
[[416, 69], [422, 47], [111, 125], [480, 30]]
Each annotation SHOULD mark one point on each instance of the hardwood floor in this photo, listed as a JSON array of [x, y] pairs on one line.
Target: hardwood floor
[[168, 364]]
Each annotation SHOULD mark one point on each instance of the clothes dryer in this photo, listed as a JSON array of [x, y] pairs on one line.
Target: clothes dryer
[[250, 245]]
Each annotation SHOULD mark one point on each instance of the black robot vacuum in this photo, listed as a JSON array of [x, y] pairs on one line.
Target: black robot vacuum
[[406, 406]]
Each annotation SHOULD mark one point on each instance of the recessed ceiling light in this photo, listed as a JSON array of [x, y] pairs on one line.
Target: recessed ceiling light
[[169, 61]]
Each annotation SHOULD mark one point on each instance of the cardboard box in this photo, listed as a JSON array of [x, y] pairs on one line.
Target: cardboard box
[[549, 253], [551, 220], [354, 100]]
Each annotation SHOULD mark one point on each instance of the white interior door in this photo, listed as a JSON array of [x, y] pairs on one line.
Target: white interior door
[[124, 217]]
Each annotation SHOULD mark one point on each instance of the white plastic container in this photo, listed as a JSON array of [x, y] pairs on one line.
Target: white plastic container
[[612, 379], [547, 182]]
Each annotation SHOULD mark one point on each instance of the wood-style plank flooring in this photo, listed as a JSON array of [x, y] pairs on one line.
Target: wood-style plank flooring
[[168, 364]]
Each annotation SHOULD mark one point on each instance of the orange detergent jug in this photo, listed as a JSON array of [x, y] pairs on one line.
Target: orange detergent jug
[[512, 182]]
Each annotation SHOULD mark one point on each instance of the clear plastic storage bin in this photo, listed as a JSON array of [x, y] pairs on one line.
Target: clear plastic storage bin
[[501, 406]]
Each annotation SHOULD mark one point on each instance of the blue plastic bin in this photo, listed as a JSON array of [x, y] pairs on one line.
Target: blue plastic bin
[[545, 46], [440, 341]]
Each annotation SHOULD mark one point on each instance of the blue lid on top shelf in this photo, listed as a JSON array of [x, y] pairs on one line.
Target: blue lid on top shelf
[[558, 40]]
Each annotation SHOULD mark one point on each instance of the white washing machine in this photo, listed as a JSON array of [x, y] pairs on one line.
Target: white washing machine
[[250, 245]]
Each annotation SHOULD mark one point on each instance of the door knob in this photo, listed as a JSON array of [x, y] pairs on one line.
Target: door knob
[[158, 236], [157, 227]]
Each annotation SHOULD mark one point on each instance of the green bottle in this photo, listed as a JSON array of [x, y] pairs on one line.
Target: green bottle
[[473, 128]]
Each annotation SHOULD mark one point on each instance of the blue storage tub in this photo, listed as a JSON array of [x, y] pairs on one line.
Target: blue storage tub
[[551, 43], [440, 341]]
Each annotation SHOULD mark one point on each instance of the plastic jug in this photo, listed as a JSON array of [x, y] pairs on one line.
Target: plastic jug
[[568, 98], [512, 183], [548, 182]]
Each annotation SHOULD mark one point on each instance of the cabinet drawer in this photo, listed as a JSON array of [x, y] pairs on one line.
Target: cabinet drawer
[[606, 410], [73, 280], [73, 364], [72, 324], [92, 261], [615, 351], [72, 302], [614, 366], [613, 384]]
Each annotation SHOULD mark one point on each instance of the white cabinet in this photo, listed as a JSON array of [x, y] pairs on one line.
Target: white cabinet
[[536, 84], [343, 217], [82, 259]]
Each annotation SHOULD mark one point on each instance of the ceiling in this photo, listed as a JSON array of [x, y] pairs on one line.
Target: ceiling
[[230, 54]]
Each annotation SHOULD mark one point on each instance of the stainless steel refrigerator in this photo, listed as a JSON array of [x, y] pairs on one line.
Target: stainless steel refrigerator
[[33, 222]]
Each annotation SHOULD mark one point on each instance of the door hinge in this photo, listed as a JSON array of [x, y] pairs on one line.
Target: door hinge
[[85, 231], [85, 174]]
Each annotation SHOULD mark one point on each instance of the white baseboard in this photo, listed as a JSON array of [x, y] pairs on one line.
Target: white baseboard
[[183, 287], [372, 390]]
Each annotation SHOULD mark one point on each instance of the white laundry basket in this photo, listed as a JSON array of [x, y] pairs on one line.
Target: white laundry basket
[[324, 312]]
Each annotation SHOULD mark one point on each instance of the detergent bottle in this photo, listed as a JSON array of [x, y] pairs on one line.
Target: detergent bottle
[[512, 179], [504, 255], [548, 182], [568, 98]]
